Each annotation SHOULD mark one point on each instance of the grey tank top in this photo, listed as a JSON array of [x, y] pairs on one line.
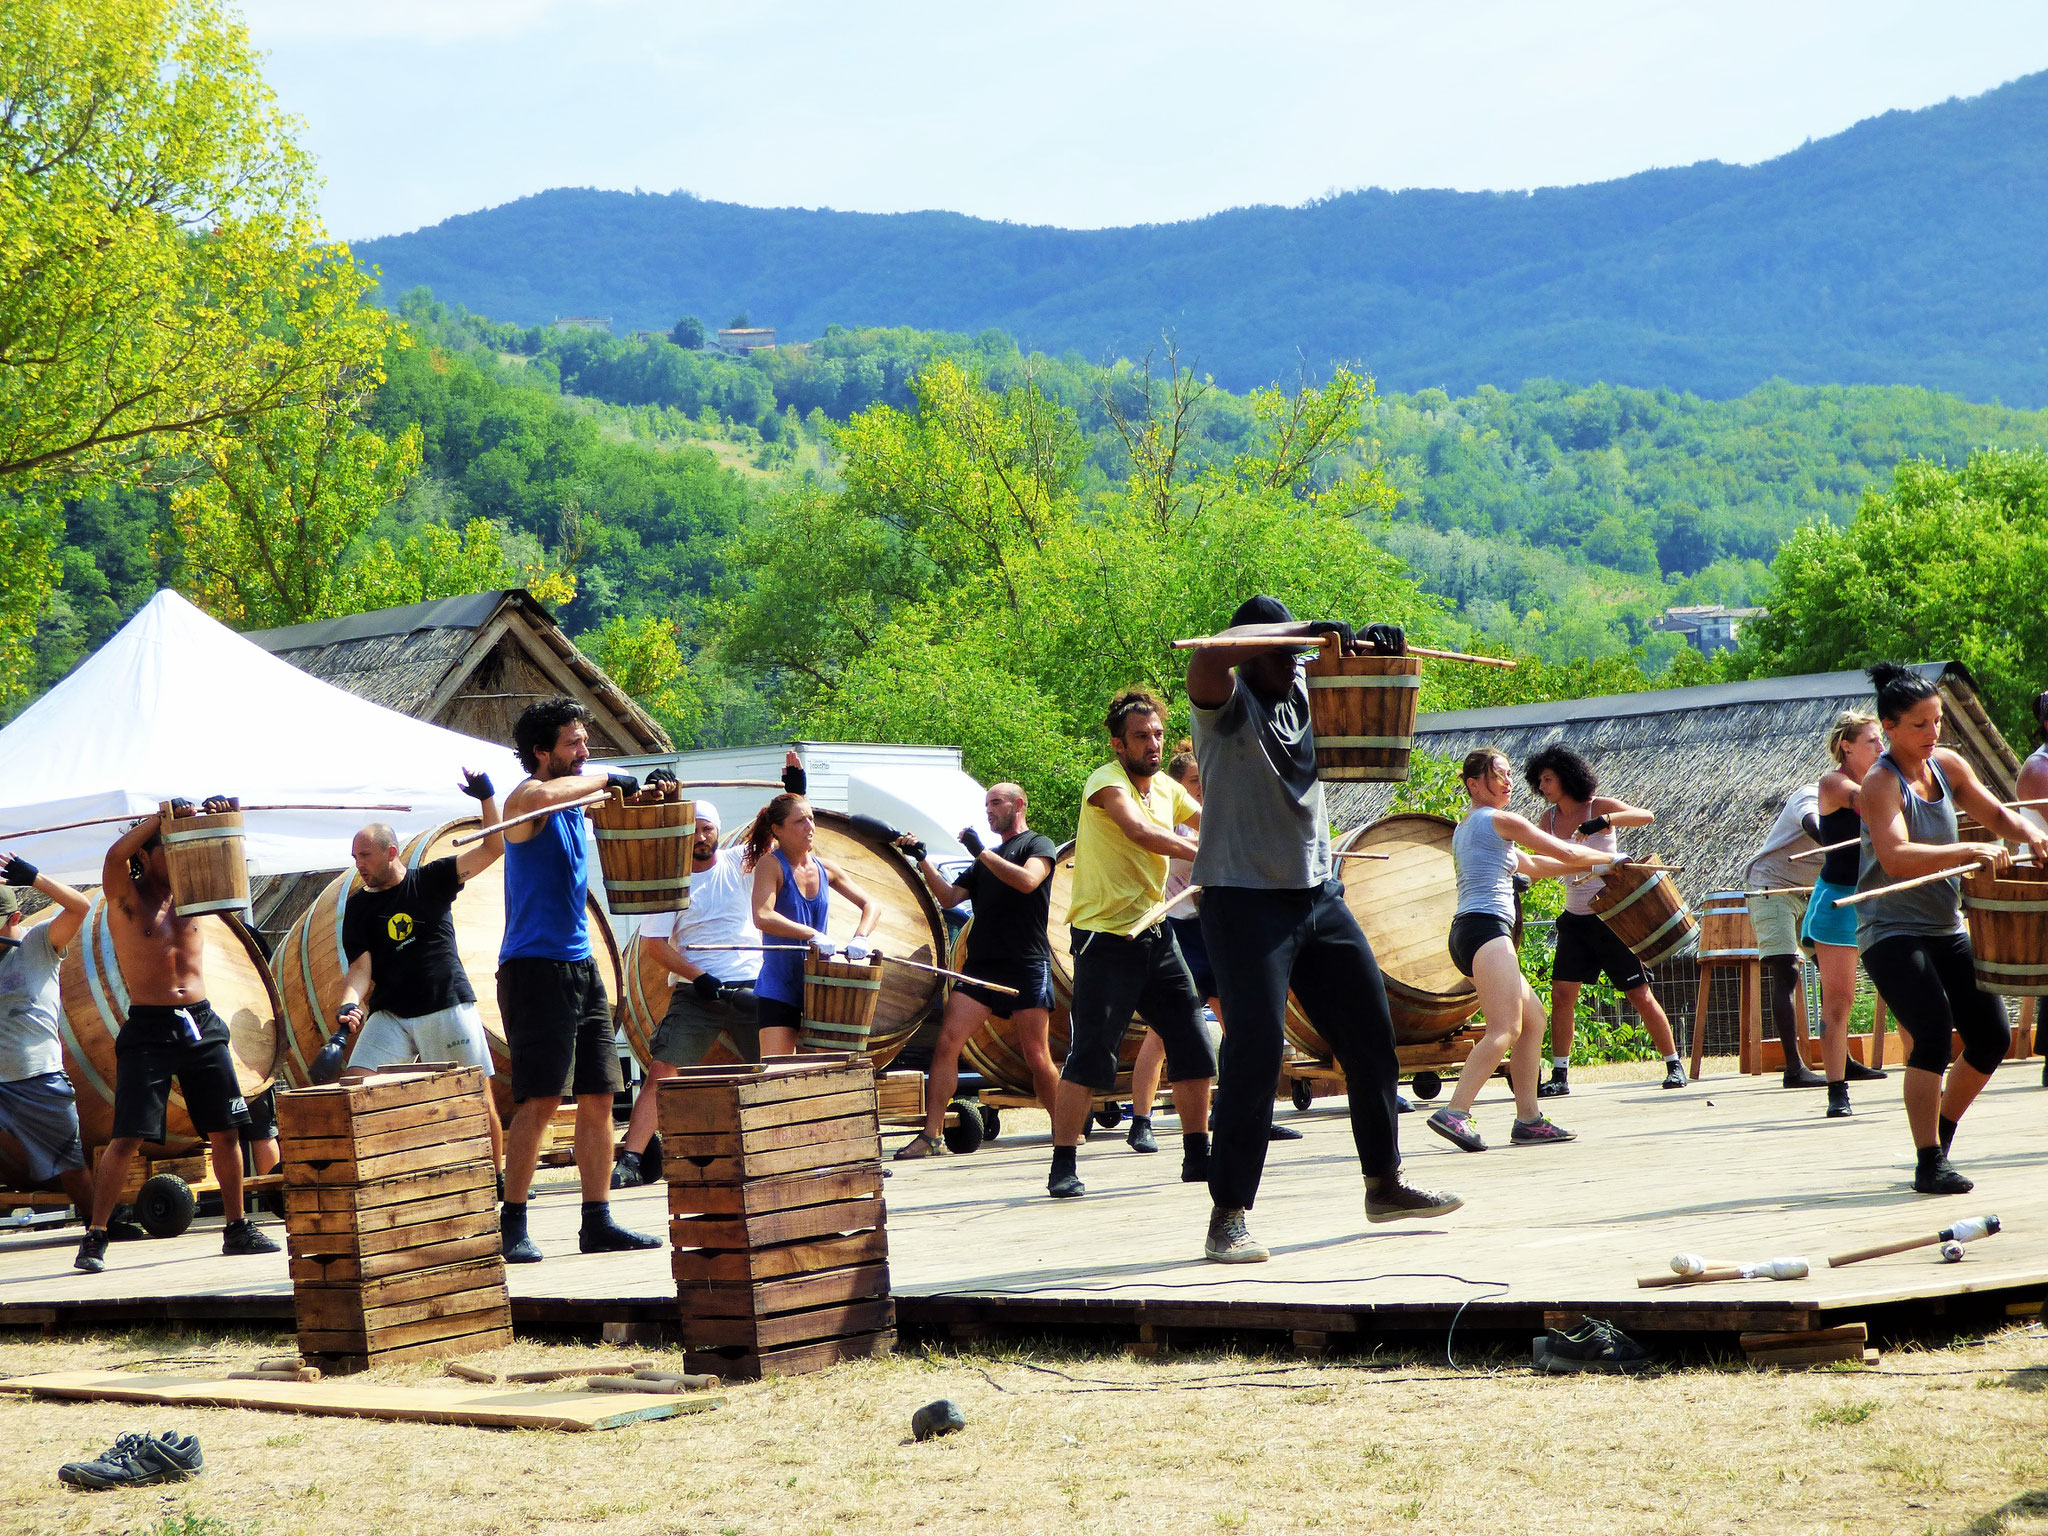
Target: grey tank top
[[1486, 865], [1935, 909]]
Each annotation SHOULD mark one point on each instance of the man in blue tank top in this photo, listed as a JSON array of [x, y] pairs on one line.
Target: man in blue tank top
[[558, 1021]]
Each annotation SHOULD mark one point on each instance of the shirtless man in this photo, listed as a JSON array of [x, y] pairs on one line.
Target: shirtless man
[[169, 1033]]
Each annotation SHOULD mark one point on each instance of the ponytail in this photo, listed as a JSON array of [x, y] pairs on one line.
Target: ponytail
[[762, 832], [1183, 759], [1898, 689]]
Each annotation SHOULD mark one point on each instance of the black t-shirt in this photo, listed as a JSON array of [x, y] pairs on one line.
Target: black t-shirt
[[409, 931], [1009, 924]]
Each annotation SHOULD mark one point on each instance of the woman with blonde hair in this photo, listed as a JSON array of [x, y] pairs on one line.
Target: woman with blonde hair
[[1855, 743], [792, 896]]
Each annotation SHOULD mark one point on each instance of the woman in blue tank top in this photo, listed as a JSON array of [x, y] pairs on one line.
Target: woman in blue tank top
[[1855, 743], [1483, 948], [792, 900], [1915, 945]]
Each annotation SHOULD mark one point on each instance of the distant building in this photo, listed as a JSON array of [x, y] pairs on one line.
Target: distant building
[[1708, 626], [583, 323], [752, 338]]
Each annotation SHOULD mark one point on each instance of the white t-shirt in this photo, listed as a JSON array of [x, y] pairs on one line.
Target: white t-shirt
[[721, 911], [1180, 874], [1773, 863], [29, 1008]]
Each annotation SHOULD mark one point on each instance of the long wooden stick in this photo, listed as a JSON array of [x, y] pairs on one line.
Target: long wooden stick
[[1477, 661], [1917, 880], [1782, 890], [1349, 855], [1814, 853], [1158, 910], [102, 821], [512, 821], [1316, 642], [940, 970], [887, 959], [728, 784]]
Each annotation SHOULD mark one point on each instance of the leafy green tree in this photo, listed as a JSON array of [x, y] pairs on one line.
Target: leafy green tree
[[437, 561], [644, 657], [688, 333]]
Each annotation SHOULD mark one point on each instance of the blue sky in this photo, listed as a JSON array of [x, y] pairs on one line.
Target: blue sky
[[1083, 114]]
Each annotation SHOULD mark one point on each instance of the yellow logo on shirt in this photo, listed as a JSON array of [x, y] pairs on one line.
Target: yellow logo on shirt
[[399, 927]]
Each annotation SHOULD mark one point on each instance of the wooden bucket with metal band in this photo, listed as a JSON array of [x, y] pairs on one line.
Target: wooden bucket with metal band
[[649, 987], [1727, 931], [644, 852], [839, 1002], [2008, 917], [993, 1049], [208, 869], [1362, 711], [309, 959], [1405, 907], [94, 1000], [1641, 905]]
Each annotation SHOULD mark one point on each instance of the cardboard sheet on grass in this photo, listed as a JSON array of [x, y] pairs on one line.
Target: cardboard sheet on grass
[[481, 1406], [177, 704]]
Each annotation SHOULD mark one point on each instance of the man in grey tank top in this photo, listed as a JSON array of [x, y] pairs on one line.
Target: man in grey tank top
[[1274, 920]]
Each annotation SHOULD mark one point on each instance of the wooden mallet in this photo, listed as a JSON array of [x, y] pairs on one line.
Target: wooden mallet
[[1968, 1230], [1789, 1268]]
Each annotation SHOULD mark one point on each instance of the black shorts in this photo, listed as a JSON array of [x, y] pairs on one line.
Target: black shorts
[[1031, 978], [262, 1124], [1587, 948], [1115, 978], [190, 1044], [773, 1013], [1187, 933], [558, 1029], [1472, 932]]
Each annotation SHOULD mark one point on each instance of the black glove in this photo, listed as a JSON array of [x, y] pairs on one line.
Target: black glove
[[328, 1061], [18, 871], [910, 848], [660, 776], [1385, 639], [971, 841], [706, 986], [1594, 824], [477, 785], [624, 783], [349, 1015], [180, 808], [794, 780], [1345, 638], [215, 805]]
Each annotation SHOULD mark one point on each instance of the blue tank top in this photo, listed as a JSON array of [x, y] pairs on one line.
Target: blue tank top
[[547, 880], [782, 970]]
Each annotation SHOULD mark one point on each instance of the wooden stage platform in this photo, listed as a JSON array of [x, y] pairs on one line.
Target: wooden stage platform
[[1733, 1168]]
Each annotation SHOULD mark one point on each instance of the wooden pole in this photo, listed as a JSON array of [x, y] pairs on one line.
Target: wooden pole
[[1349, 855], [1316, 642], [102, 821], [1917, 880], [887, 959], [1477, 661], [1158, 910], [727, 784], [512, 821], [1782, 890], [1814, 853]]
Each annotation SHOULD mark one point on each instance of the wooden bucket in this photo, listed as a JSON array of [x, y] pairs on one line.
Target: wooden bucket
[[95, 1003], [208, 870], [1405, 907], [649, 985], [309, 960], [992, 1049], [1362, 711], [644, 852], [2008, 917], [1726, 930], [839, 1002], [1641, 904]]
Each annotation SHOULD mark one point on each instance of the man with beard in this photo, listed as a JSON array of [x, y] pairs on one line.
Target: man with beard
[[1124, 964], [1274, 918]]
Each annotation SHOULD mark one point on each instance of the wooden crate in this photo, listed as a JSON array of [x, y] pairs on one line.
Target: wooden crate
[[391, 1224], [776, 1216]]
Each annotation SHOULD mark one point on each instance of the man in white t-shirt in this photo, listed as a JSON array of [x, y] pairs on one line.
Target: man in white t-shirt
[[37, 1104], [714, 989]]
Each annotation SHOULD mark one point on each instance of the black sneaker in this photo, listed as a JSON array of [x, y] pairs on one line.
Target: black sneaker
[[1799, 1075], [92, 1251], [126, 1231], [1279, 1132], [1859, 1073], [1935, 1176], [1065, 1186], [607, 1236], [1592, 1346], [1194, 1162], [1674, 1077], [134, 1460], [627, 1173], [1838, 1103], [1397, 1199], [239, 1237], [1558, 1087], [1141, 1138]]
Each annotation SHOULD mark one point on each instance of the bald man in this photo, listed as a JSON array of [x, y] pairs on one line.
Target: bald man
[[398, 932], [1011, 888]]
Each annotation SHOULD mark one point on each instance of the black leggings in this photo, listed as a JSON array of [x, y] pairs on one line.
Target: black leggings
[[1929, 981]]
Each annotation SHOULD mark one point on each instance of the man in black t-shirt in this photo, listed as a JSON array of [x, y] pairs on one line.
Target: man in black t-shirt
[[398, 932], [1010, 886]]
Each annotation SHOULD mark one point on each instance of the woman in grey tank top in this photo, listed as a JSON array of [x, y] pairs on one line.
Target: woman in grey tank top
[[1483, 947], [1914, 944]]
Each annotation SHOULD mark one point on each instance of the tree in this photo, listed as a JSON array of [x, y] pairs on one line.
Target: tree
[[644, 656], [688, 333], [436, 561], [740, 321]]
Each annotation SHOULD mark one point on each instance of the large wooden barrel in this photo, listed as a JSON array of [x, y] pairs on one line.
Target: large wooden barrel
[[839, 1002], [1727, 930], [643, 852], [648, 987], [992, 1049], [208, 870], [1641, 905], [1362, 710], [95, 999], [1405, 906], [309, 960], [2008, 917]]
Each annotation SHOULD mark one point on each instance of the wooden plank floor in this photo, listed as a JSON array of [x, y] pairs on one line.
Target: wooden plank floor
[[1732, 1168]]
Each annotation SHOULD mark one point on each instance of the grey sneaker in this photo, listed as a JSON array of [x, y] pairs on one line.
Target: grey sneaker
[[134, 1460], [1456, 1127], [1397, 1199], [1538, 1132], [1229, 1242], [1558, 1086]]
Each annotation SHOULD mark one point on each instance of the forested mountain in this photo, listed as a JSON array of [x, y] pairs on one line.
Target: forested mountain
[[1907, 249]]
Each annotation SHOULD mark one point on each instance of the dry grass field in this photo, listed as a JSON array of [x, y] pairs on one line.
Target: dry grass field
[[1949, 1439]]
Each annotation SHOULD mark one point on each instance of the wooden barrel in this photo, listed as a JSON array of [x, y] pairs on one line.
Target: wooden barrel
[[1641, 904], [644, 853], [1405, 906], [992, 1049], [208, 870], [309, 960], [1726, 929], [95, 1002], [839, 1002], [2008, 917], [1362, 710], [648, 987]]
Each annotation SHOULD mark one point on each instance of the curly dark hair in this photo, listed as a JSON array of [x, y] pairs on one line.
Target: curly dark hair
[[1574, 774], [538, 725], [1132, 701]]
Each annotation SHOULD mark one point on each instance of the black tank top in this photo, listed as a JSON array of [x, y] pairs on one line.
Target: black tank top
[[1839, 868]]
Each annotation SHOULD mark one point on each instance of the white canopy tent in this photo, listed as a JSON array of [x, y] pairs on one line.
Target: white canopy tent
[[177, 704]]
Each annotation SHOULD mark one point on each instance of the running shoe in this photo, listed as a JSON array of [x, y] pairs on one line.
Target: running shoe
[[134, 1460], [1141, 1138], [1279, 1132], [1674, 1077], [1538, 1132], [92, 1251], [1592, 1346], [1558, 1087], [1229, 1242], [1456, 1127], [240, 1237], [1396, 1200]]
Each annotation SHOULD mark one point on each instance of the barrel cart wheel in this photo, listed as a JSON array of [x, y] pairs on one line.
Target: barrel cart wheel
[[1110, 1116], [1427, 1085], [165, 1205], [1303, 1093], [991, 1122], [963, 1131]]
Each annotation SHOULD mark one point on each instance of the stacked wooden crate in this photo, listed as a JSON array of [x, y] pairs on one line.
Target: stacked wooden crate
[[776, 1217], [391, 1219]]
